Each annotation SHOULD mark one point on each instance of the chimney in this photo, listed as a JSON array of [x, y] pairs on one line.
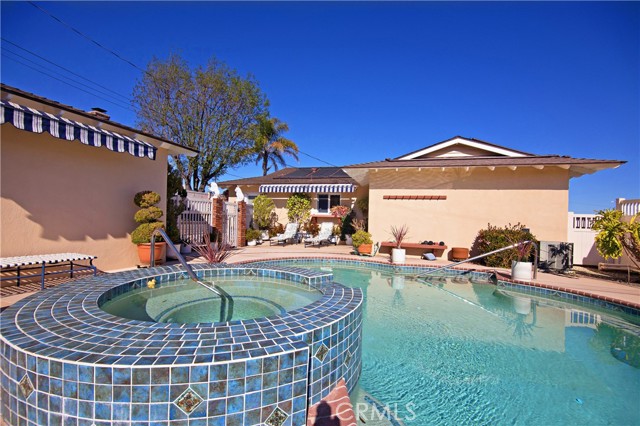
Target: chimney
[[99, 113]]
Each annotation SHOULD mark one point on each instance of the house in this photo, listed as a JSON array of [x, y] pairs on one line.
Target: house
[[68, 178], [450, 190], [327, 186]]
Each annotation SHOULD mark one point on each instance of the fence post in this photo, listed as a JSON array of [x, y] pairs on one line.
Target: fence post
[[217, 204], [242, 223]]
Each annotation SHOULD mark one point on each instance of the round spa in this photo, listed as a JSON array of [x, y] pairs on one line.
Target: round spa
[[147, 347]]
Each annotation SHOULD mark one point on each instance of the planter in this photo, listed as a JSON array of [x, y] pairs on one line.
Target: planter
[[348, 240], [265, 235], [459, 253], [185, 249], [252, 243], [398, 255], [144, 252], [365, 248], [171, 254], [522, 271]]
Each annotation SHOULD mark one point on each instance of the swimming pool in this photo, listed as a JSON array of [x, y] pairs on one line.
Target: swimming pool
[[449, 352], [184, 301]]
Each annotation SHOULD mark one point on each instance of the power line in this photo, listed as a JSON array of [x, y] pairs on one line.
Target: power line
[[5, 51], [317, 159], [65, 69], [65, 82]]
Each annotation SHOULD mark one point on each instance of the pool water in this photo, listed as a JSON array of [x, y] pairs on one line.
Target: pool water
[[450, 353], [184, 301]]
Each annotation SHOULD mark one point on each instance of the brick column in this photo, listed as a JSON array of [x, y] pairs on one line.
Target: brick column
[[217, 204], [242, 224]]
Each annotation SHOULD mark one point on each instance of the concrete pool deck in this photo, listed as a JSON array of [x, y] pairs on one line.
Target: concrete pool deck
[[609, 290]]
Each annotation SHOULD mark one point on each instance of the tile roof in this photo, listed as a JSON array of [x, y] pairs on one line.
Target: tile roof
[[297, 175]]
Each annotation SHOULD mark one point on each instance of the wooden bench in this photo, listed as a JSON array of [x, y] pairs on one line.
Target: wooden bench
[[63, 262], [436, 249]]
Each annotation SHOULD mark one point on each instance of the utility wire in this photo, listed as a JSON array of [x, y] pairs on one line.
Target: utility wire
[[121, 103], [117, 55], [65, 69], [65, 82]]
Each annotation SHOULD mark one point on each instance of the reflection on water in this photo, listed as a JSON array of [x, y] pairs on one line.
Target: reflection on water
[[466, 353]]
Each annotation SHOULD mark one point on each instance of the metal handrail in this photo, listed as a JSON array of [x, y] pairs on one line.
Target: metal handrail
[[225, 313], [535, 263]]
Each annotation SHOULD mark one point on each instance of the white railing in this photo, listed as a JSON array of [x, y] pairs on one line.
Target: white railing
[[628, 207], [193, 225], [581, 221]]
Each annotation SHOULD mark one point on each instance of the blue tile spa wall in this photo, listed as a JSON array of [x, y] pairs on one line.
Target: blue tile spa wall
[[65, 361]]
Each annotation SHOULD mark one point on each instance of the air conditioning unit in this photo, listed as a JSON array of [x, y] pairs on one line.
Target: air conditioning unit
[[555, 255]]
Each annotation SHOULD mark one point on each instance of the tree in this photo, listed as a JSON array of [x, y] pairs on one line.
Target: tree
[[263, 213], [615, 236], [210, 108], [299, 208], [270, 146]]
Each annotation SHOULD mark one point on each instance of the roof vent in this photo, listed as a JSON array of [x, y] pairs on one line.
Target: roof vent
[[99, 113]]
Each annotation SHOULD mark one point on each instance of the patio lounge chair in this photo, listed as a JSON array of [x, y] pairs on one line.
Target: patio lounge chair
[[324, 235], [289, 234]]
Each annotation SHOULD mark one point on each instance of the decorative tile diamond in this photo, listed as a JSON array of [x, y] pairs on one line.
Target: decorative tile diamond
[[277, 418], [188, 401], [347, 358], [26, 387], [322, 352]]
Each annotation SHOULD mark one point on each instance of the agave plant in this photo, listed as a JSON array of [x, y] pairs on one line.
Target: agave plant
[[213, 253]]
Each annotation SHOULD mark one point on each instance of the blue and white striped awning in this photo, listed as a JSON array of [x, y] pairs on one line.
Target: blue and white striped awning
[[312, 187], [36, 121]]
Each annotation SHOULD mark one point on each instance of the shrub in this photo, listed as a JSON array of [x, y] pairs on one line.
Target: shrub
[[276, 229], [147, 216], [263, 214], [494, 238], [361, 237], [615, 236], [299, 208], [313, 228], [253, 234], [213, 253]]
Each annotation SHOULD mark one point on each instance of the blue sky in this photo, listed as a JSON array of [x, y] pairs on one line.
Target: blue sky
[[363, 81]]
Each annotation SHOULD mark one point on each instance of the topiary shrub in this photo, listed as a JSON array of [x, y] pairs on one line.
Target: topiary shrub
[[147, 216], [494, 238]]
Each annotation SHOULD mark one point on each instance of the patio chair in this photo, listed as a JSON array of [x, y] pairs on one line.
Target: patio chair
[[289, 234], [324, 235]]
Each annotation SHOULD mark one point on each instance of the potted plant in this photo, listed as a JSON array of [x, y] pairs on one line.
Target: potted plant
[[362, 242], [521, 267], [252, 236], [346, 228], [148, 217], [398, 254]]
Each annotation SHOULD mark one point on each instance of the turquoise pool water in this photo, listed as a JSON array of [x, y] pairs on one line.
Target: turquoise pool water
[[452, 353], [184, 301]]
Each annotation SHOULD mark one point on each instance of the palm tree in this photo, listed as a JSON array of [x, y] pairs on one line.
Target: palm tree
[[270, 146]]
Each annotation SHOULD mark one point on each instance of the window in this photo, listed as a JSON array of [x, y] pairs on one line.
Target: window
[[326, 201]]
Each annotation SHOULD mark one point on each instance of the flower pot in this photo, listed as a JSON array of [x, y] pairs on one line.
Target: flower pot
[[144, 253], [398, 255], [521, 271], [365, 248], [171, 254], [185, 249], [348, 240], [265, 235], [251, 243], [459, 253]]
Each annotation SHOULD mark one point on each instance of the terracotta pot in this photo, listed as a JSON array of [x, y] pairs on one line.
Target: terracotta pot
[[459, 253], [365, 248], [144, 252]]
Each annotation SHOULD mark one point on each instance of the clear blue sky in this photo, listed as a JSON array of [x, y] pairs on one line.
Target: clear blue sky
[[364, 81]]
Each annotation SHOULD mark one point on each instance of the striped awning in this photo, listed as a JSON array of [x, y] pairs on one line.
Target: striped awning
[[315, 187], [36, 121]]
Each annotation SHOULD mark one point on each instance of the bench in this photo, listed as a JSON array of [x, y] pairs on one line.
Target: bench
[[20, 264], [436, 249]]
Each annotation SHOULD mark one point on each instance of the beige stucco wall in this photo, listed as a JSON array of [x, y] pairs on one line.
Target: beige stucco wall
[[61, 196], [475, 197]]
